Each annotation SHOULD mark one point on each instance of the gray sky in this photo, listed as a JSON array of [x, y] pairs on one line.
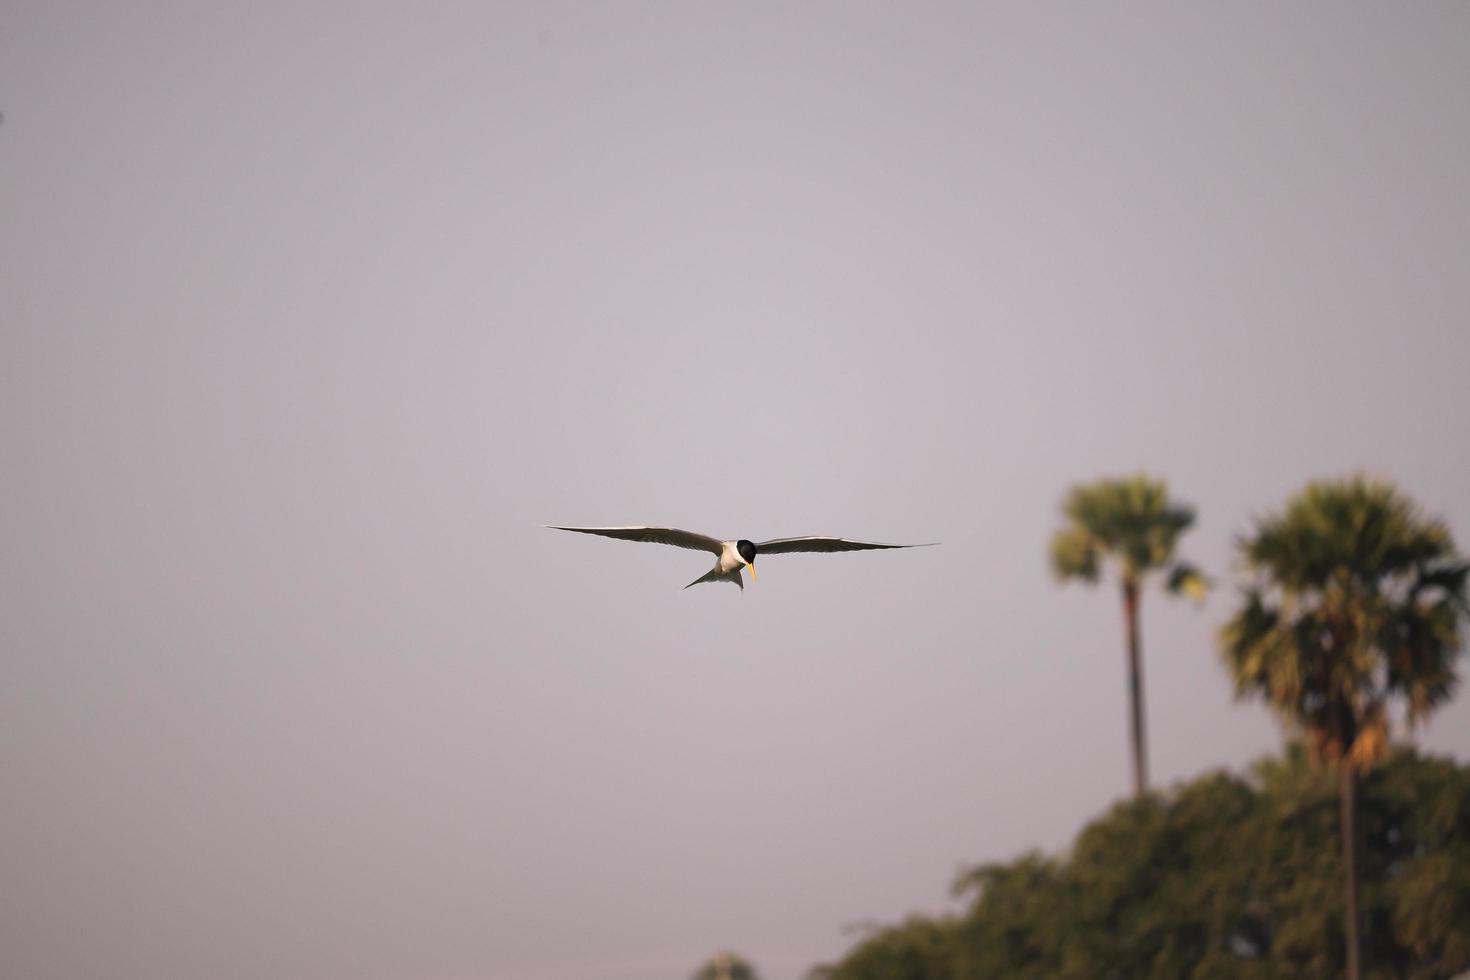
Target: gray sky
[[310, 318]]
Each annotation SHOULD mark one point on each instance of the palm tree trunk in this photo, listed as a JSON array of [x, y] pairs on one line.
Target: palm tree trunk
[[1135, 688], [1347, 784]]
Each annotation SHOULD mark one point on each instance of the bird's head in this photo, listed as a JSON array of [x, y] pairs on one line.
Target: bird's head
[[747, 554]]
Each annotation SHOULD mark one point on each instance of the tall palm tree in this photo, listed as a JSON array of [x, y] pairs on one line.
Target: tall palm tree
[[1132, 524], [1352, 597]]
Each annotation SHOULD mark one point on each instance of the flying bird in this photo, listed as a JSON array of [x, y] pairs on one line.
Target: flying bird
[[732, 555]]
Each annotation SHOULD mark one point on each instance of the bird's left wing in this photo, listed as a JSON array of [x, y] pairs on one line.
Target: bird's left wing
[[782, 546], [653, 535]]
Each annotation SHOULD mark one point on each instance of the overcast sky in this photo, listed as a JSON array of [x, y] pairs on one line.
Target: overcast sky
[[309, 319]]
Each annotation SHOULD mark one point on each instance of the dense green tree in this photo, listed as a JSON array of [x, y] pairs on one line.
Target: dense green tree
[[1022, 931], [725, 966], [1222, 877], [919, 949], [1132, 524], [1353, 598]]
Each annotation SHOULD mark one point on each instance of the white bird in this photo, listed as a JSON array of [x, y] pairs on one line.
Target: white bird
[[732, 555]]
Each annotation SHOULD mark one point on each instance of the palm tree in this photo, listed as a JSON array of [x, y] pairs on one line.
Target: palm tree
[[1132, 524], [1353, 597]]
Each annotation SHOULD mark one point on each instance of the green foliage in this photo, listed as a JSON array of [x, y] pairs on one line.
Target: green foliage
[[1185, 579], [1021, 932], [918, 949], [1221, 877], [725, 966], [1130, 521], [1354, 598]]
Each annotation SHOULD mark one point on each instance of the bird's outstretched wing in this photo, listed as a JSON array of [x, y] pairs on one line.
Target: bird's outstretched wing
[[653, 535], [782, 546]]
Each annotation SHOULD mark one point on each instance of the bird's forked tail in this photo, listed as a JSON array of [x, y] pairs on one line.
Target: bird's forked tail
[[715, 575]]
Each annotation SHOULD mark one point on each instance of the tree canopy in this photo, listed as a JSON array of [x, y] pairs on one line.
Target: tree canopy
[[1223, 876]]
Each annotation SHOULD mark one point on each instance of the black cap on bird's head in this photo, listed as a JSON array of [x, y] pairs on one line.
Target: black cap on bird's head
[[747, 553]]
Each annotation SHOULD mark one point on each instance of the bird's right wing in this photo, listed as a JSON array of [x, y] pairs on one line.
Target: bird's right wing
[[653, 535], [820, 543]]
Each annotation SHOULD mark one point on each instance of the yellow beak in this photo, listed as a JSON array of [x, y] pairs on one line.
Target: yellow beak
[[751, 565]]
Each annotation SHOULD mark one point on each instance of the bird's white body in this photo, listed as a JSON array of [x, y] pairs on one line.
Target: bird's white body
[[730, 560]]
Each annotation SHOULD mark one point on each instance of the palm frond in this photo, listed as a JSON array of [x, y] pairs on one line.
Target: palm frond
[[1187, 580]]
